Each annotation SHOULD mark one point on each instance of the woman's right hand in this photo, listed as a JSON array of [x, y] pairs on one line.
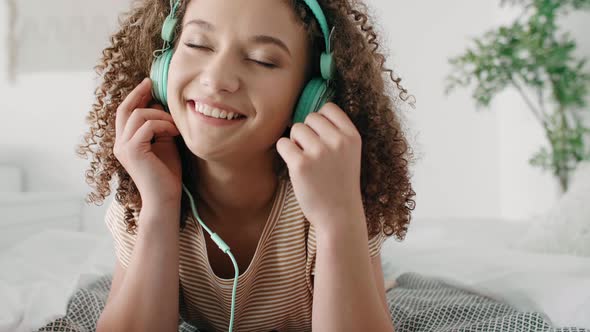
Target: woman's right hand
[[154, 167]]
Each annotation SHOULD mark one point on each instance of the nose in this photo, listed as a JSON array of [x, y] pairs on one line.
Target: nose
[[218, 75]]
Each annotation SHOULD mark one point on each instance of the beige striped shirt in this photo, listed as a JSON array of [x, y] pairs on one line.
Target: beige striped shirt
[[274, 293]]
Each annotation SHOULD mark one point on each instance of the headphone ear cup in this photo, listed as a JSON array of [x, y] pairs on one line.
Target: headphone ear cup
[[159, 77], [316, 93]]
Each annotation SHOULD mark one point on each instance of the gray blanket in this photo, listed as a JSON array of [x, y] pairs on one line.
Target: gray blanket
[[416, 303]]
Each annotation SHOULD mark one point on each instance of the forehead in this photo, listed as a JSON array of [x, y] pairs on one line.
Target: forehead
[[252, 16]]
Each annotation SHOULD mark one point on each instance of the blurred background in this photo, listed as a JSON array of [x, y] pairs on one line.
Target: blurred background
[[475, 183], [470, 161]]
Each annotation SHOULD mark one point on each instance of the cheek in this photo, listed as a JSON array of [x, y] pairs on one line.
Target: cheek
[[181, 64], [277, 103], [175, 75], [280, 106], [178, 77], [281, 91], [172, 79]]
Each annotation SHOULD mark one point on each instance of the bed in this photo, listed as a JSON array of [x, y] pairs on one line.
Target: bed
[[39, 274]]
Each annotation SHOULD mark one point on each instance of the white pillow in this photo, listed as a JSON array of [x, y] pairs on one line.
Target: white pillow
[[565, 228]]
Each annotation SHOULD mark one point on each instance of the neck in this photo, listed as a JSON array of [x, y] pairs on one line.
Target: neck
[[235, 192]]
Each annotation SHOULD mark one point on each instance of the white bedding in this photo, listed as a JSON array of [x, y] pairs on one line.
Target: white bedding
[[38, 275], [478, 255]]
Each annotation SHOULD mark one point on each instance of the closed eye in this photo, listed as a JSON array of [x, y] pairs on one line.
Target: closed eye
[[264, 64], [197, 46], [267, 65]]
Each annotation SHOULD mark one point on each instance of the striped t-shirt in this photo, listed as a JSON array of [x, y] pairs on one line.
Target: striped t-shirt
[[276, 290]]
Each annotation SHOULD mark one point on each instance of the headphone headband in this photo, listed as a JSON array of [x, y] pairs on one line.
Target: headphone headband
[[326, 64], [319, 15]]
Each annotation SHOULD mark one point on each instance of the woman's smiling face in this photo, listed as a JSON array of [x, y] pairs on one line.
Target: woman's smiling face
[[248, 56]]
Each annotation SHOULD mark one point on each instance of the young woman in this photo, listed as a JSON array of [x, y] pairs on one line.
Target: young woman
[[303, 205]]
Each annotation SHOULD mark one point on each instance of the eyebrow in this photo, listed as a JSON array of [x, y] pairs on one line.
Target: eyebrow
[[259, 39]]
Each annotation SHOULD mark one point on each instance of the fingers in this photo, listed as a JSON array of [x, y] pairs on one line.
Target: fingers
[[305, 137], [158, 107], [139, 117], [289, 151], [138, 97], [337, 116], [136, 125], [152, 129], [320, 124]]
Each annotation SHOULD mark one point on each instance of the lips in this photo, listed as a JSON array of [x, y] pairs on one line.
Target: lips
[[199, 110], [217, 105]]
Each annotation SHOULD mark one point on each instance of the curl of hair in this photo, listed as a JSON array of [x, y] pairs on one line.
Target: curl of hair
[[361, 92]]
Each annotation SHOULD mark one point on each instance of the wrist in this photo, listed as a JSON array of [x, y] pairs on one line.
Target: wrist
[[159, 203], [340, 237], [341, 224], [160, 212]]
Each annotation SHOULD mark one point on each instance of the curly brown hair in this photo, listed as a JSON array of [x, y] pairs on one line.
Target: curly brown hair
[[361, 92]]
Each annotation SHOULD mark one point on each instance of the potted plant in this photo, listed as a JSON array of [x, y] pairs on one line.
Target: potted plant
[[531, 57]]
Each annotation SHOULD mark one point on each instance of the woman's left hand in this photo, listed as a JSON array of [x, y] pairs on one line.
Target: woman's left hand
[[323, 156]]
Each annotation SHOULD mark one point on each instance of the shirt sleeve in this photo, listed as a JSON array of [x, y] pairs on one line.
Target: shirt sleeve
[[375, 244], [123, 241]]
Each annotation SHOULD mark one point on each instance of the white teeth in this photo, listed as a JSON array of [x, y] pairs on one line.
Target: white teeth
[[215, 112]]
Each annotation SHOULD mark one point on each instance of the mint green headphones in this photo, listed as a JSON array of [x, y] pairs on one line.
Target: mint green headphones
[[315, 94]]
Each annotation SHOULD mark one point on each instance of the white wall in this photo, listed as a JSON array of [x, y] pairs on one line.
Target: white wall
[[470, 163], [41, 122], [458, 171]]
